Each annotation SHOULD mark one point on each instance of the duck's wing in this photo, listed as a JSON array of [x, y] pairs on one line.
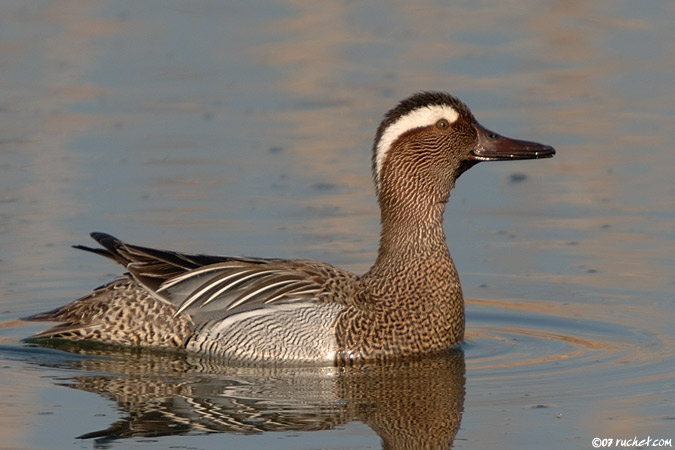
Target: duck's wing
[[220, 286], [151, 267], [238, 285]]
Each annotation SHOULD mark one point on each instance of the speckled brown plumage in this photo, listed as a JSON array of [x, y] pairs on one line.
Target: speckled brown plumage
[[122, 314], [261, 310]]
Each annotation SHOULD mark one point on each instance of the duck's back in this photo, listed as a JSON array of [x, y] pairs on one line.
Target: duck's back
[[246, 309]]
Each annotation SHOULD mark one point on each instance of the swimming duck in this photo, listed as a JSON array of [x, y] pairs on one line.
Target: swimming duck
[[262, 310]]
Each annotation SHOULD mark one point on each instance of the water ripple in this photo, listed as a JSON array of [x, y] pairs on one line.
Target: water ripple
[[556, 345]]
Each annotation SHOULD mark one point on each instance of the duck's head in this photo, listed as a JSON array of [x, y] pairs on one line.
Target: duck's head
[[429, 140]]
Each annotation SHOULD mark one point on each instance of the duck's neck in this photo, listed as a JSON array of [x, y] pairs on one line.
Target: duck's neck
[[414, 282], [412, 235]]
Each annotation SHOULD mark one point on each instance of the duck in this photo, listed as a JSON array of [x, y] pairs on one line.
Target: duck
[[293, 311]]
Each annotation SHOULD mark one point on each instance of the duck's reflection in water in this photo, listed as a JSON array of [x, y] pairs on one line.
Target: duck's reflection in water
[[410, 404]]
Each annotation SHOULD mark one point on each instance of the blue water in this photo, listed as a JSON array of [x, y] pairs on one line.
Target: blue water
[[245, 128]]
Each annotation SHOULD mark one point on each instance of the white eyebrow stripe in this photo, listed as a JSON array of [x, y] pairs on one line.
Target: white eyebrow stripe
[[417, 118]]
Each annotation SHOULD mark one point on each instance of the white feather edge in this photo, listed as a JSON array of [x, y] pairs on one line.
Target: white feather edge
[[417, 118]]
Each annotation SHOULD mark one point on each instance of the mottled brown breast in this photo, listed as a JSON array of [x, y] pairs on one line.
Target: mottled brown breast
[[403, 310]]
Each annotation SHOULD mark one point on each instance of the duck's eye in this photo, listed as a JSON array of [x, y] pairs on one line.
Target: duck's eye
[[442, 124]]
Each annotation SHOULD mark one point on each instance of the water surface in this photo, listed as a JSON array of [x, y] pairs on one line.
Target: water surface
[[245, 129]]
